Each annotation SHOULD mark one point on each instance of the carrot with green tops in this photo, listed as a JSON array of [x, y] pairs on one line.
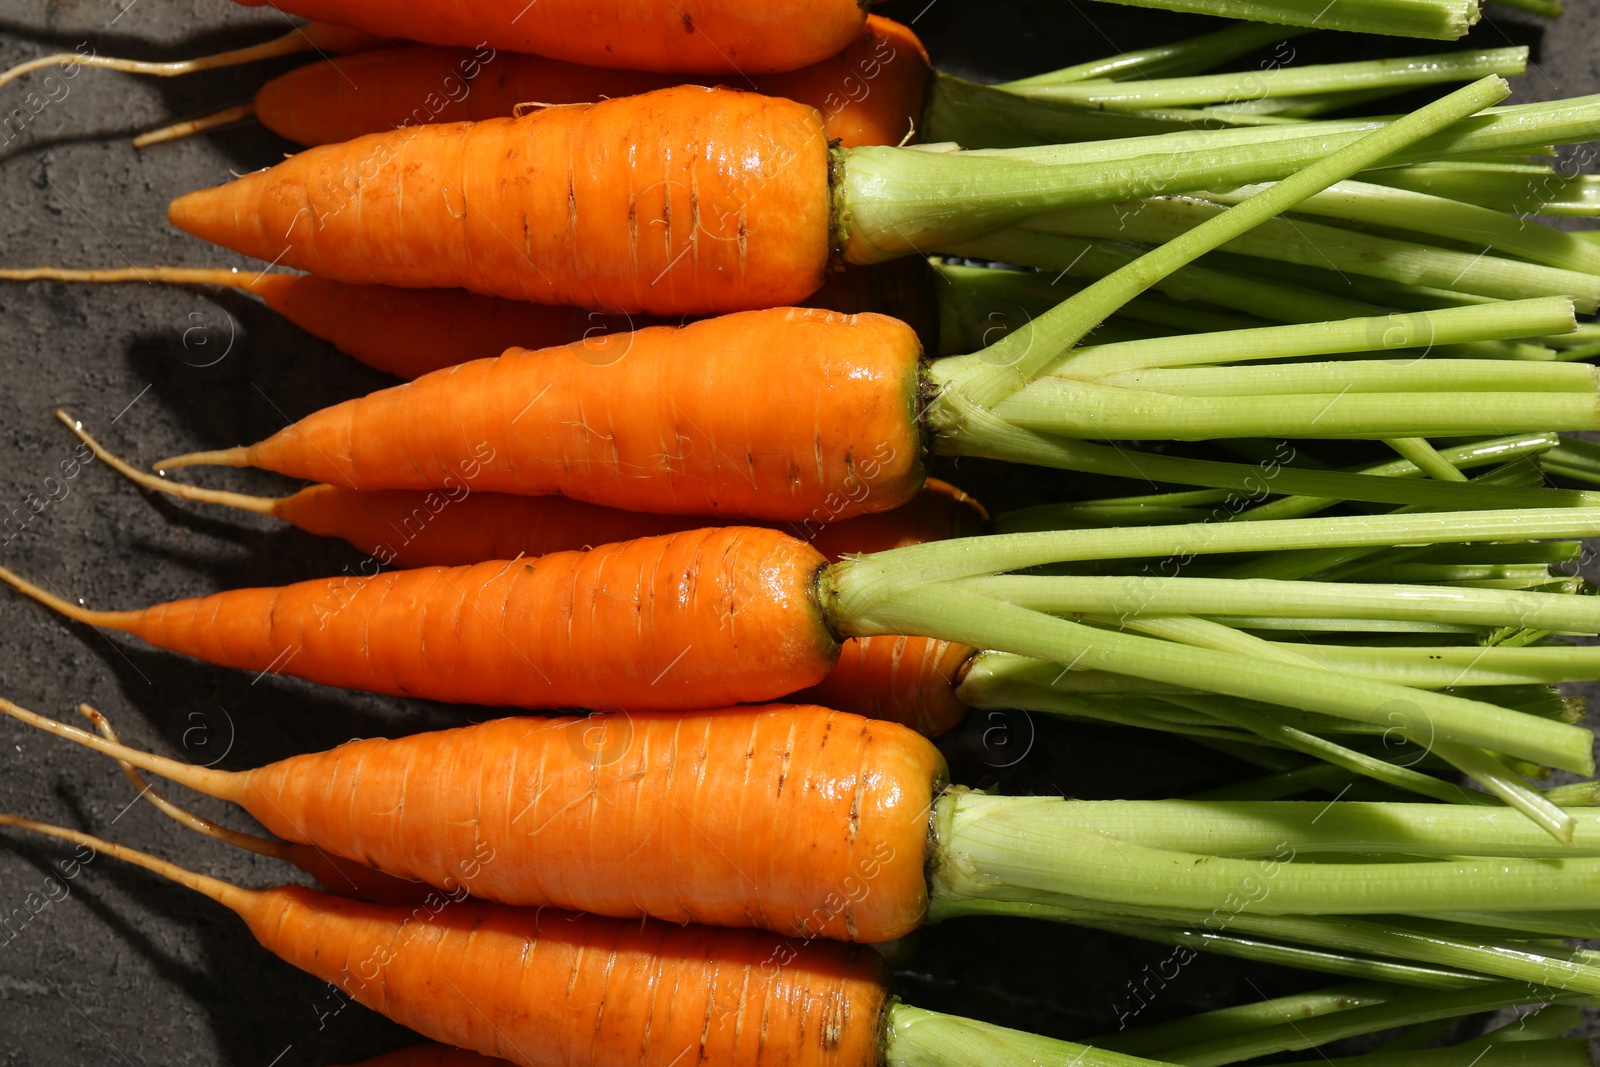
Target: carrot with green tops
[[740, 205], [542, 987], [813, 823], [712, 617], [868, 93], [690, 36]]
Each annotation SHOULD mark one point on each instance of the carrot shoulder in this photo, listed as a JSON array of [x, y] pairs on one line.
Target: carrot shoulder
[[787, 414], [692, 36], [682, 201]]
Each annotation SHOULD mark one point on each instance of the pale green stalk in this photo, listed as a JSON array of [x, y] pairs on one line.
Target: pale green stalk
[[917, 1038], [1022, 355], [1443, 20], [1298, 1032], [1131, 596], [1564, 1052], [1188, 56], [1061, 407], [1501, 187], [1315, 244], [950, 613], [1426, 457], [1400, 208], [1390, 74], [1398, 332]]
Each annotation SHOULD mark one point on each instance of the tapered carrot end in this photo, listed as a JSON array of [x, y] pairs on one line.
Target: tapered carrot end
[[238, 456]]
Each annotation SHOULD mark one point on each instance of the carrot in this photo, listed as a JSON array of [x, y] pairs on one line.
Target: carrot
[[636, 421], [814, 823], [908, 680], [319, 37], [542, 986], [562, 630], [695, 36], [861, 788], [665, 419], [336, 874], [457, 526], [431, 1056], [869, 93], [722, 201]]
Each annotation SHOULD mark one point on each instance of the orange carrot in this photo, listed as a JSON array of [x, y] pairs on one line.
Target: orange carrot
[[869, 93], [695, 619], [334, 873], [907, 680], [696, 36], [643, 421], [568, 205], [456, 526], [623, 815], [541, 987]]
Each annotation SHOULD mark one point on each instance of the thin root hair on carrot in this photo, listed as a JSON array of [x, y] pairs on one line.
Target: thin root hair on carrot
[[176, 131], [156, 484]]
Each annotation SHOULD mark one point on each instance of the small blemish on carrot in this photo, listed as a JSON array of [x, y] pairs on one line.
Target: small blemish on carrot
[[688, 23]]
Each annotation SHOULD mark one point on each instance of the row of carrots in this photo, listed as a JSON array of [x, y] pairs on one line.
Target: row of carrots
[[588, 476]]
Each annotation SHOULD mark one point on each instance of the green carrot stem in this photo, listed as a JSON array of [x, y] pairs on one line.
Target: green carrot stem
[[1551, 1021], [1443, 20], [1544, 815], [1383, 205], [1441, 666], [961, 112], [1231, 1022], [1500, 187], [1316, 244], [914, 1037], [1254, 829], [1298, 1033], [1561, 1052], [1061, 407], [1307, 106], [1135, 95], [857, 583], [1414, 375], [962, 429], [1188, 56], [1340, 937], [1133, 596], [1021, 356], [1426, 457], [1238, 289], [1373, 333], [954, 613], [1123, 510], [1550, 9]]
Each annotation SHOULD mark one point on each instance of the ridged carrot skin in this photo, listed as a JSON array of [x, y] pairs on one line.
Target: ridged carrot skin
[[542, 987], [907, 680], [690, 620], [689, 36], [869, 93], [682, 201], [788, 414], [409, 332], [667, 815]]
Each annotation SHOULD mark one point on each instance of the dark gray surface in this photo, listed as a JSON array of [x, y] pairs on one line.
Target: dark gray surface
[[127, 969]]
